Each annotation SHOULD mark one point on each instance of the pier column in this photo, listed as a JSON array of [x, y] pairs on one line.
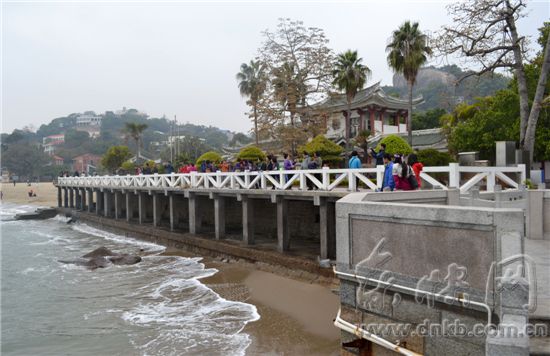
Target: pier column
[[248, 223], [141, 207], [194, 214], [106, 204], [118, 205], [78, 201], [174, 217], [219, 216], [327, 224], [66, 197], [90, 200], [59, 198], [156, 210], [99, 201], [71, 198], [283, 230], [129, 208], [83, 199]]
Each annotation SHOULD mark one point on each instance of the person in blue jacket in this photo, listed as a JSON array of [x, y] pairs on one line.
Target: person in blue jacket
[[388, 184], [355, 163]]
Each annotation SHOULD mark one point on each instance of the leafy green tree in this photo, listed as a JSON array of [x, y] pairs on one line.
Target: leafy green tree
[[115, 157], [328, 150], [432, 157], [251, 153], [350, 76], [135, 131], [252, 84], [395, 145], [211, 156], [407, 52], [428, 119], [24, 159]]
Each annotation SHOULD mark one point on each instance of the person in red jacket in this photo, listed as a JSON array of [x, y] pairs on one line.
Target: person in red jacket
[[416, 166]]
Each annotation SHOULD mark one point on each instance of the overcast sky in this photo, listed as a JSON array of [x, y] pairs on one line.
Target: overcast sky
[[176, 58]]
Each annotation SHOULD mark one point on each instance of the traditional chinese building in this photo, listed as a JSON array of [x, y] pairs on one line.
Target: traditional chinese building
[[371, 109]]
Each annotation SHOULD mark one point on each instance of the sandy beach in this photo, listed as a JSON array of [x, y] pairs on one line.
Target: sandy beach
[[46, 193], [296, 313]]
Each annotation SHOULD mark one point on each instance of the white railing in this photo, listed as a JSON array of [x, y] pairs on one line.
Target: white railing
[[322, 179]]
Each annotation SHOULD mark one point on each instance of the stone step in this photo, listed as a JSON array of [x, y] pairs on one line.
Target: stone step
[[539, 346]]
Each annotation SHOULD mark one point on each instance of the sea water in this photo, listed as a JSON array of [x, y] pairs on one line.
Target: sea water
[[156, 307]]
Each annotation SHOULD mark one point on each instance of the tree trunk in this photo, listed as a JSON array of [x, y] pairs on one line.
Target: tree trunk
[[537, 102], [348, 133], [138, 143], [409, 115], [256, 123], [520, 75]]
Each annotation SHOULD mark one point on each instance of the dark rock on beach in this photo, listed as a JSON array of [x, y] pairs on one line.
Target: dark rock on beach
[[38, 214], [103, 257]]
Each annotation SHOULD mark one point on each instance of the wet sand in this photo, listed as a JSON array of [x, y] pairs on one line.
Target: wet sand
[[46, 194], [296, 317]]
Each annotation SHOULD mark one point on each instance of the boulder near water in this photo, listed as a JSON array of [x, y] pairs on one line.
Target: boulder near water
[[103, 257]]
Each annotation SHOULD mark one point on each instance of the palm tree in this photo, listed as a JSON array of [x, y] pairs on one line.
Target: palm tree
[[349, 76], [135, 130], [252, 84], [407, 51]]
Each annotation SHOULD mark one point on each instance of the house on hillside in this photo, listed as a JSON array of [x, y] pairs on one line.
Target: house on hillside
[[57, 161], [49, 143], [89, 123], [86, 163]]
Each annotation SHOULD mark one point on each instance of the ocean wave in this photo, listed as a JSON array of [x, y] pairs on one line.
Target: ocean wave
[[86, 229]]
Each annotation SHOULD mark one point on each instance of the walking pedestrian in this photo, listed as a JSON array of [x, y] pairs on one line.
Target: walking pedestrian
[[379, 156], [355, 163]]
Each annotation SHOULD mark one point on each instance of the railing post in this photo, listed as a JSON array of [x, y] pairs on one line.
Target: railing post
[[218, 178], [263, 180], [326, 177], [522, 174], [193, 179], [491, 180], [352, 186], [247, 178], [303, 180], [454, 175], [281, 179], [172, 179], [380, 176], [232, 180]]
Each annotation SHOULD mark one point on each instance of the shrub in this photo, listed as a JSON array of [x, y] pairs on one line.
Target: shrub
[[211, 156], [251, 153], [328, 150], [395, 144], [432, 157], [128, 166], [115, 156]]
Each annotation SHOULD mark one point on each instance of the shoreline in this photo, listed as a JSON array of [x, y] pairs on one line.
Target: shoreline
[[296, 307]]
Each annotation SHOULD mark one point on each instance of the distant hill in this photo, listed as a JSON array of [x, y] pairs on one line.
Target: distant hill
[[439, 86]]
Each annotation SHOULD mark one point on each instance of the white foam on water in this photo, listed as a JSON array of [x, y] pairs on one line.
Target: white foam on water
[[86, 229], [190, 317]]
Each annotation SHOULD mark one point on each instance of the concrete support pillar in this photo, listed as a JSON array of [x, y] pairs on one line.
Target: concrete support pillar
[[248, 220], [174, 217], [65, 198], [129, 208], [71, 198], [219, 216], [118, 205], [59, 197], [90, 200], [156, 210], [141, 207], [194, 215], [99, 201], [283, 228], [327, 224], [76, 198], [83, 199], [107, 204]]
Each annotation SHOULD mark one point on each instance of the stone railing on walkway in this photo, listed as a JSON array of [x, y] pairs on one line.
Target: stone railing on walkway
[[451, 176]]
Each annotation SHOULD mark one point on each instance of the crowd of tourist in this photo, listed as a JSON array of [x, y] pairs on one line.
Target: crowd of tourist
[[400, 172]]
